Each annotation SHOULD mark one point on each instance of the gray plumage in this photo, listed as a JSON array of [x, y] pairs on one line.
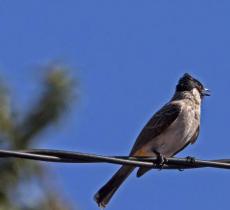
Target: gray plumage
[[169, 131]]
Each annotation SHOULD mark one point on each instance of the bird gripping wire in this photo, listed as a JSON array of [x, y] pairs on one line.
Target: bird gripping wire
[[77, 157]]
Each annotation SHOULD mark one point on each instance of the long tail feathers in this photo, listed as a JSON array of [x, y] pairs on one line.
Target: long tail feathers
[[141, 171], [103, 196]]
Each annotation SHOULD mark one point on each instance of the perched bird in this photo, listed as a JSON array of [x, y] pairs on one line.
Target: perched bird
[[169, 131]]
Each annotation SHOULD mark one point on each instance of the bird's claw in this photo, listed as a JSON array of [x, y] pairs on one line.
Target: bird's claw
[[190, 159], [161, 160]]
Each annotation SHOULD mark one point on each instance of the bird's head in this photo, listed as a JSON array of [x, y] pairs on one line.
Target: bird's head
[[188, 83]]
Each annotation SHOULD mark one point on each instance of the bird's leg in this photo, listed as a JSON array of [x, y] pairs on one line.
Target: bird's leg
[[190, 159], [160, 159]]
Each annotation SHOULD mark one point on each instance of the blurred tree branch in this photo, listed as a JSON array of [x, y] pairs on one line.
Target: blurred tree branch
[[55, 99], [52, 104]]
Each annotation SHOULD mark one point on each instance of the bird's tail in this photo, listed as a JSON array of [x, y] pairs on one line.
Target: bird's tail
[[103, 196]]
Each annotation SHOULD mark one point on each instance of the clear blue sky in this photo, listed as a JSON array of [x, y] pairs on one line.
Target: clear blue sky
[[129, 56]]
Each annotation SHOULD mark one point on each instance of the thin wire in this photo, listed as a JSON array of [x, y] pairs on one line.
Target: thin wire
[[77, 157]]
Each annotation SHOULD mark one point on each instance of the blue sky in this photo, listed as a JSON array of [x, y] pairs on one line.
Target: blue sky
[[128, 56]]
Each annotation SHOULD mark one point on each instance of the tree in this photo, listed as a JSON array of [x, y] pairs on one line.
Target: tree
[[18, 132]]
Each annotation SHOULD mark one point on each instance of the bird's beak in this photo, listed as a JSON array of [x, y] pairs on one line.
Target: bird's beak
[[205, 92]]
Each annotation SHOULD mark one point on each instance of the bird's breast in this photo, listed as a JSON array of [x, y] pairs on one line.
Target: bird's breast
[[177, 135]]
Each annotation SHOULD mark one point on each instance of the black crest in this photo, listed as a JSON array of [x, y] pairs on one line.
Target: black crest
[[187, 83]]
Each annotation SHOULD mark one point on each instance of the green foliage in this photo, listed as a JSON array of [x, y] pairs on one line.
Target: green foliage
[[16, 175]]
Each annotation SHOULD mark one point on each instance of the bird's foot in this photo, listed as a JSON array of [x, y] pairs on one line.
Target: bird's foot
[[161, 160], [190, 159]]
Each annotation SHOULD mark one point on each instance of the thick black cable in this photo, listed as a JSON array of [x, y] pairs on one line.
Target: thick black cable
[[77, 157]]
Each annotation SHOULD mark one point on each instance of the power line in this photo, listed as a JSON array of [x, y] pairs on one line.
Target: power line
[[78, 157]]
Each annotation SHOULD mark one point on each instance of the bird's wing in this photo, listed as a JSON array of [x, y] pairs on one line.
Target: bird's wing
[[157, 124]]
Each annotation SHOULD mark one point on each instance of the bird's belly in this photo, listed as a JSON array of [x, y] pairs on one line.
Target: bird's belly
[[174, 138]]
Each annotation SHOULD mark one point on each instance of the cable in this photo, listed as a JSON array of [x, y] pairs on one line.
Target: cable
[[77, 157]]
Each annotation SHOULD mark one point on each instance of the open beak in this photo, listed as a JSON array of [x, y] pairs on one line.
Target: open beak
[[206, 92]]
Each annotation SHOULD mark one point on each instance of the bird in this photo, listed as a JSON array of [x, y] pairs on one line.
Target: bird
[[170, 130]]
